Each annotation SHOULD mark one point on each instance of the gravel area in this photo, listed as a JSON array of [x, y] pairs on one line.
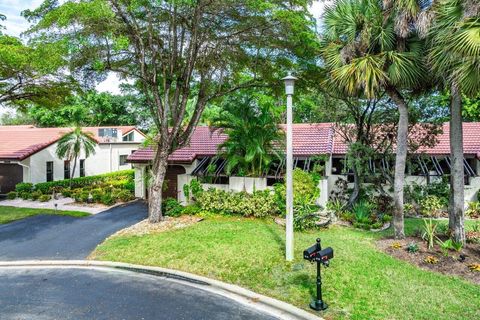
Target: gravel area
[[62, 204], [169, 223]]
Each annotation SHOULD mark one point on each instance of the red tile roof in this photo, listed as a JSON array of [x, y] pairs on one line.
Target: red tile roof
[[20, 142], [308, 140]]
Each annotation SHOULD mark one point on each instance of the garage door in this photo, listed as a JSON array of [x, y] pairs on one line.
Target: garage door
[[10, 175]]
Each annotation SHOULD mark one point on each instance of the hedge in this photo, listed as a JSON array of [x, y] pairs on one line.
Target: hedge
[[123, 179]]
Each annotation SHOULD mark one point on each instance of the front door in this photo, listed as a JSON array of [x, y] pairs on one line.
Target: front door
[[170, 189]]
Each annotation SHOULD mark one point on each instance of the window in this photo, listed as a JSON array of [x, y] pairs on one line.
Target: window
[[49, 171], [128, 137], [82, 167], [66, 169], [123, 159], [107, 132]]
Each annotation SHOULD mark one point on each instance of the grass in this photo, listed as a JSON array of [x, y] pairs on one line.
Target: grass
[[9, 214], [361, 283]]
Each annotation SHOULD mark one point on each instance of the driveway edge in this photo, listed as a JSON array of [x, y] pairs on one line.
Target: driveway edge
[[273, 306]]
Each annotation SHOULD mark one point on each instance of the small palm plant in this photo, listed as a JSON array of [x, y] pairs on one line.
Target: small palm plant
[[73, 143]]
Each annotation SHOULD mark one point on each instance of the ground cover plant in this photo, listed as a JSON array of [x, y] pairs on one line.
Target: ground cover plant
[[106, 188], [362, 282], [9, 214]]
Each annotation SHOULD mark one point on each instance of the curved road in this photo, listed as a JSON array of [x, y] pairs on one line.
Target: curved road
[[81, 294]]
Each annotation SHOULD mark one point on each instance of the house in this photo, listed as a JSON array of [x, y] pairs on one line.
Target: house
[[28, 154], [312, 143]]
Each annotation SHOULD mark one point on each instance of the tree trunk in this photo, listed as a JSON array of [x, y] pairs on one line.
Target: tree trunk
[[159, 170], [73, 171], [456, 211], [400, 163], [356, 188]]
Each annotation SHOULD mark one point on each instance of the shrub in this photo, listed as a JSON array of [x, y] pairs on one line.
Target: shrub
[[412, 247], [305, 189], [172, 208], [431, 260], [82, 196], [35, 195], [304, 221], [45, 198], [25, 195], [67, 192], [24, 187], [123, 179], [107, 199], [429, 232], [258, 204], [191, 209], [431, 206], [473, 210], [12, 195], [125, 195]]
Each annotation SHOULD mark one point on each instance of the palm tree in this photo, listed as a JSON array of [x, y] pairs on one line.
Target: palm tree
[[253, 135], [454, 38], [73, 143], [370, 48]]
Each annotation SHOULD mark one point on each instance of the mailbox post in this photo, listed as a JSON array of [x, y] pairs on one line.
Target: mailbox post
[[316, 254]]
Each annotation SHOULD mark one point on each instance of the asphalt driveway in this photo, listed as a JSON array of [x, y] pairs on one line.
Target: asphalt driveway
[[83, 294], [62, 237]]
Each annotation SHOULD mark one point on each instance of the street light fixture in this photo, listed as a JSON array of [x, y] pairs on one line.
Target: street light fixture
[[289, 87]]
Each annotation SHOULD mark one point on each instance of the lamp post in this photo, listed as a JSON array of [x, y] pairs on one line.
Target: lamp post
[[289, 84]]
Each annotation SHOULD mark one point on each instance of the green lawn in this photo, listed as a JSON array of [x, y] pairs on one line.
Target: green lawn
[[361, 283], [9, 214]]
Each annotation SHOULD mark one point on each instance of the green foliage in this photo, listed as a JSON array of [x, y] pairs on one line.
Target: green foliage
[[449, 244], [429, 232], [412, 247], [25, 195], [304, 220], [430, 206], [107, 199], [473, 210], [71, 144], [12, 195], [44, 198], [32, 73], [191, 209], [257, 204], [172, 208], [253, 134], [35, 195], [24, 187], [121, 179], [305, 190]]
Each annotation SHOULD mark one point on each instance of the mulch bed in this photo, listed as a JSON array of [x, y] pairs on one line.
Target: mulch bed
[[169, 223], [450, 265]]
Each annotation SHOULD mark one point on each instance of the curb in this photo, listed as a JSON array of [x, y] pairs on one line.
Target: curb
[[263, 303]]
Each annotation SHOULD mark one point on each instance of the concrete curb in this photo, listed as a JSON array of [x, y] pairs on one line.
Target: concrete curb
[[263, 303]]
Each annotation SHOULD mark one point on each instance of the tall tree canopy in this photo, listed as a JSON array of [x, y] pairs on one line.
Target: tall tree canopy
[[454, 38], [371, 47], [32, 73], [178, 51]]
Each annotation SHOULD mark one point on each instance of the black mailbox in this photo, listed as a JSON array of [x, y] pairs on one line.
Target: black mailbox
[[316, 254]]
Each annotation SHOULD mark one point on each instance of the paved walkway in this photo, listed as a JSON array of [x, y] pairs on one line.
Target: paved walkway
[[84, 294], [62, 204], [64, 237]]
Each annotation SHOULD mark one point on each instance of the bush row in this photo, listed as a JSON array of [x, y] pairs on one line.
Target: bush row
[[106, 188]]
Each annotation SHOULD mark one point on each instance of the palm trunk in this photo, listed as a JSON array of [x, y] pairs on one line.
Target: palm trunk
[[456, 211], [400, 163], [159, 170], [73, 171]]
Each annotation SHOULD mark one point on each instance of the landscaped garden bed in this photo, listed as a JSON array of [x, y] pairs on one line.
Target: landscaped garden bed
[[104, 189], [464, 263]]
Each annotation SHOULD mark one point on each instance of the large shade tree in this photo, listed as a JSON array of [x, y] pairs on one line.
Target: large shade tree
[[32, 73], [178, 51], [371, 47], [454, 38]]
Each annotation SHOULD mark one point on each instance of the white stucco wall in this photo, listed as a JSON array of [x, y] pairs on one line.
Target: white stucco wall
[[106, 159]]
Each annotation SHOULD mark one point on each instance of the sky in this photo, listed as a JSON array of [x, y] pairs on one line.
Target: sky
[[16, 24]]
